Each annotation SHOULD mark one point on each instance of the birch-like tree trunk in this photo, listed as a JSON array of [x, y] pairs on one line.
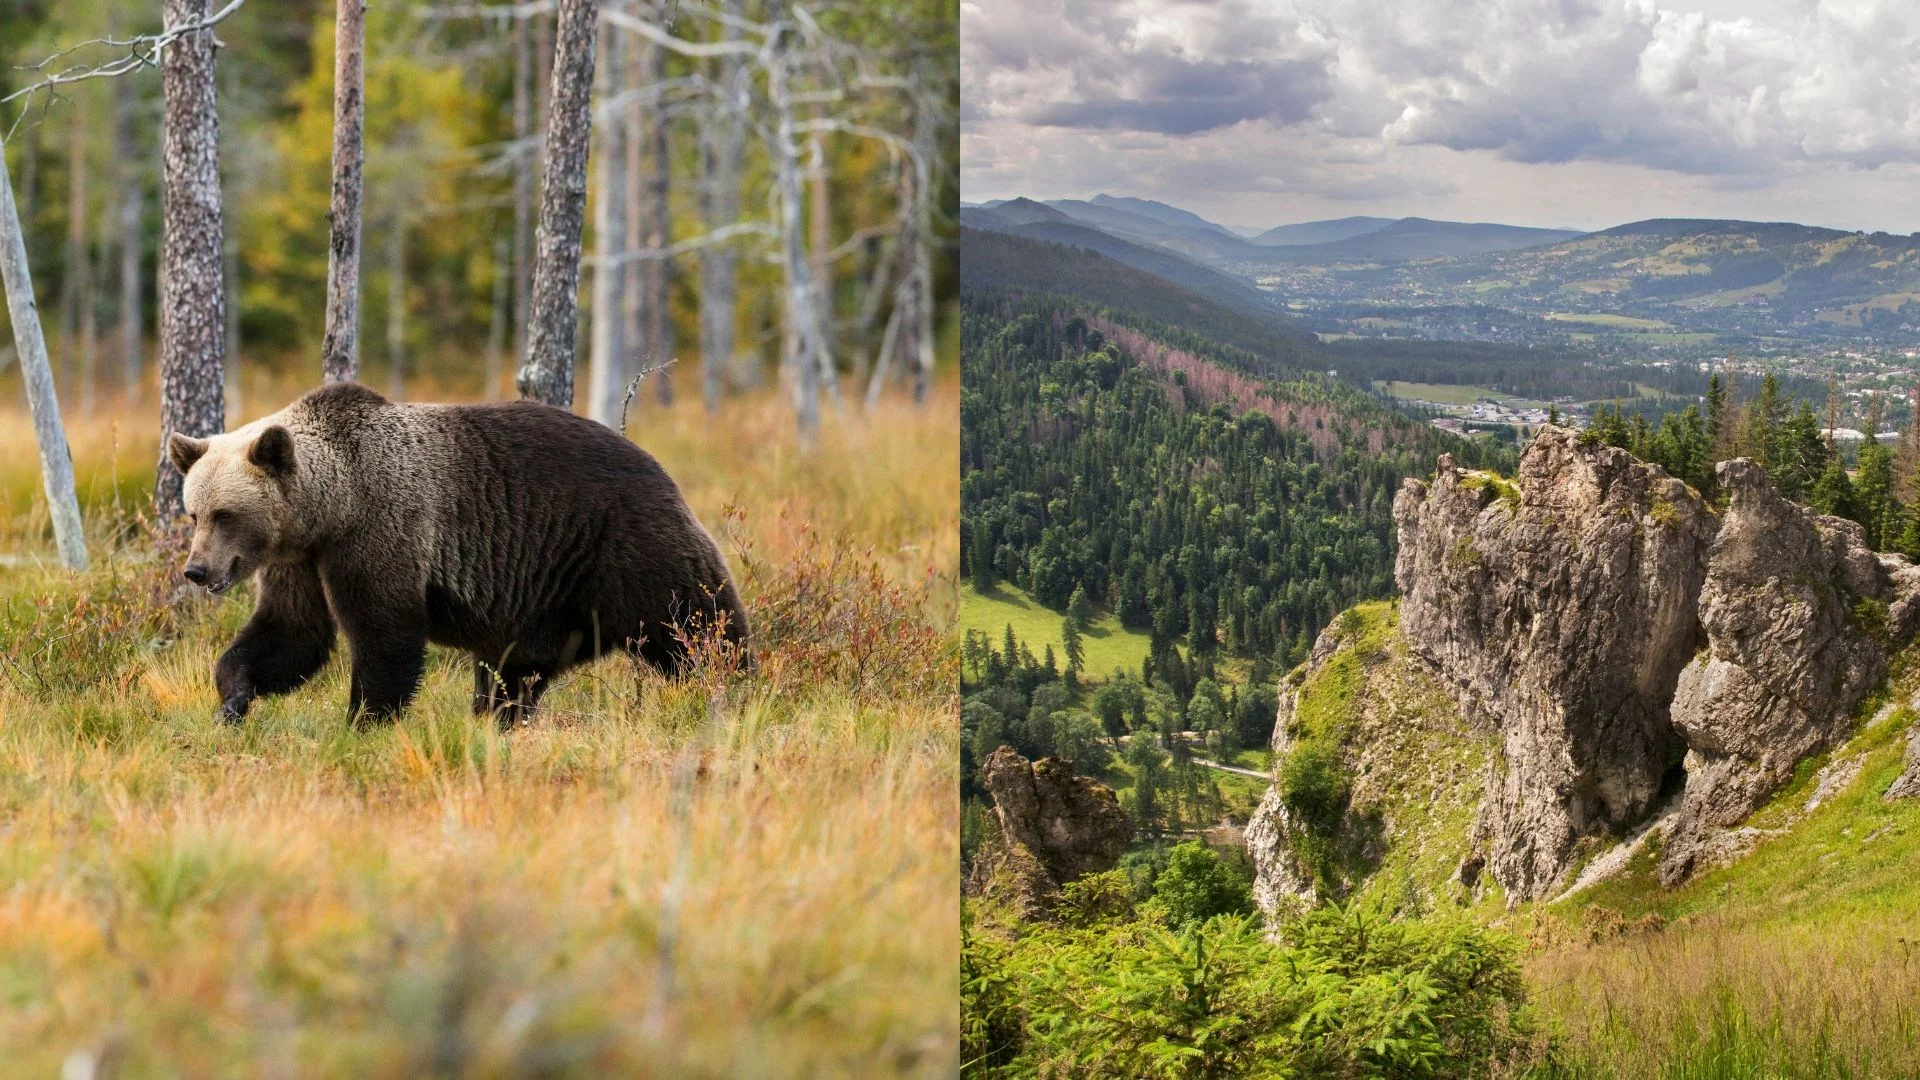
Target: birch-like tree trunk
[[806, 345], [633, 304], [547, 374], [522, 190], [192, 298], [56, 462], [340, 348], [820, 226], [127, 156], [657, 271], [723, 143], [606, 372]]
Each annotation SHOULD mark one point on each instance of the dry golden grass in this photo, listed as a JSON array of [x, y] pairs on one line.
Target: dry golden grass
[[1726, 998], [752, 876]]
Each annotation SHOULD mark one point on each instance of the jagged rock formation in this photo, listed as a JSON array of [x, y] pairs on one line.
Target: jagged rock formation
[[1560, 607], [1054, 827], [1600, 617], [1801, 617]]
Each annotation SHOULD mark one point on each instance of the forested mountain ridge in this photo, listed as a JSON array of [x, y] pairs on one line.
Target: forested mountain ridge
[[1073, 260], [1196, 488]]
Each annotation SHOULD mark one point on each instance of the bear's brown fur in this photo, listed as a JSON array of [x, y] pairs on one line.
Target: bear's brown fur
[[532, 538]]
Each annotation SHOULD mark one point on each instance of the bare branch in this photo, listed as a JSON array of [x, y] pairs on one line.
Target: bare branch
[[143, 51]]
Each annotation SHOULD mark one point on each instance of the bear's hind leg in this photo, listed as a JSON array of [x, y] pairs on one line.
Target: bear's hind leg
[[288, 640]]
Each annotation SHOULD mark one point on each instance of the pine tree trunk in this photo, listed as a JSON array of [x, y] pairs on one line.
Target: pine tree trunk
[[606, 373], [36, 374], [522, 190], [126, 154], [722, 143], [192, 299], [340, 349], [547, 374]]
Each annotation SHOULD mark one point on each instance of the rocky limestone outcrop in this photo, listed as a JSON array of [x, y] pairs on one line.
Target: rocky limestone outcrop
[[1054, 827], [1561, 608], [1801, 617], [1907, 784]]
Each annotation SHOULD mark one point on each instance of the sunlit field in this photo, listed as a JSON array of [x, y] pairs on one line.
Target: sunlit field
[[734, 876]]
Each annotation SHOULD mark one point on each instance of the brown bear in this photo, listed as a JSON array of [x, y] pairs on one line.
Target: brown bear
[[528, 536]]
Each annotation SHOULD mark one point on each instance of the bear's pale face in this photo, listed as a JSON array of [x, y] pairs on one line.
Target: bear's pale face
[[235, 500]]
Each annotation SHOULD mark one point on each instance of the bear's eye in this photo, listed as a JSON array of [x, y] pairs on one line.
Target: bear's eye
[[221, 517]]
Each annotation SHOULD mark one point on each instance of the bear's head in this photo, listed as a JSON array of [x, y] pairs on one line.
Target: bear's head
[[236, 500]]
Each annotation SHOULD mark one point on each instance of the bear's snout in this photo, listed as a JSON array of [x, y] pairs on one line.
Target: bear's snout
[[195, 573]]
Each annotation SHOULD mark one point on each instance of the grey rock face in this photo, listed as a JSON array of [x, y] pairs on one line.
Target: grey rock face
[[1560, 607], [1907, 784], [1801, 617], [1054, 827]]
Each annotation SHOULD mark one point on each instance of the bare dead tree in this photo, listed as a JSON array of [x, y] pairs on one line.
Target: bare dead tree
[[633, 313], [56, 462], [126, 156], [192, 299], [547, 374], [653, 184], [340, 348], [723, 144], [522, 190], [805, 339], [606, 371]]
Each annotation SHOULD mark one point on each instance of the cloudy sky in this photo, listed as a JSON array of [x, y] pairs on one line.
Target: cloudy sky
[[1577, 113]]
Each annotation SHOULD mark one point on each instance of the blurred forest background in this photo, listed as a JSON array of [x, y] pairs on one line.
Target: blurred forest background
[[683, 215]]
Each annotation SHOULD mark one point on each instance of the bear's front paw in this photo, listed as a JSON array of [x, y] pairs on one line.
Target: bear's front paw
[[234, 709]]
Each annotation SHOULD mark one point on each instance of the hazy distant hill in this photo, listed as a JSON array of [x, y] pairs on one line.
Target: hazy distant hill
[[1320, 232], [1781, 270], [1012, 260], [1024, 211], [1159, 211], [1419, 238]]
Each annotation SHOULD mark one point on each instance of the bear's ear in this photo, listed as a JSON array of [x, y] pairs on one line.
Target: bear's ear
[[273, 451], [184, 450]]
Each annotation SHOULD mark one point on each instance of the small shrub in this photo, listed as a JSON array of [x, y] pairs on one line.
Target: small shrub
[[1197, 885]]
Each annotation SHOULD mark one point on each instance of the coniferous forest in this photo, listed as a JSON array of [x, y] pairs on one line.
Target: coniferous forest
[[1162, 474]]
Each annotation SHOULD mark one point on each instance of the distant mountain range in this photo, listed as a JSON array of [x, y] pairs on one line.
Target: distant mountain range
[[1366, 239], [1667, 274]]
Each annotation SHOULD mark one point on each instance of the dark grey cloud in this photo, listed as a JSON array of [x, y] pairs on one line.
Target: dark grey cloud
[[1174, 96]]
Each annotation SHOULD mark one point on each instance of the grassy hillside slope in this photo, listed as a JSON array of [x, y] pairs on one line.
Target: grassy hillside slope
[[1797, 960], [742, 876]]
